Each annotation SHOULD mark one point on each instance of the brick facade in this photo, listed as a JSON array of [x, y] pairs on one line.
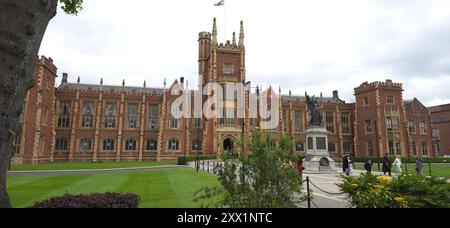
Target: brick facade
[[440, 123], [120, 123]]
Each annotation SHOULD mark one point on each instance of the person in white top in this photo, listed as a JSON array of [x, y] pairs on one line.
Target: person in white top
[[398, 164]]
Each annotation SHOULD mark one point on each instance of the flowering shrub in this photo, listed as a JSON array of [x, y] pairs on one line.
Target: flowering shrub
[[95, 200], [368, 191]]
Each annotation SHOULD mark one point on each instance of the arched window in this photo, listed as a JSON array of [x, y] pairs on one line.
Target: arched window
[[152, 144], [174, 145], [197, 145], [108, 144], [62, 144], [130, 144], [85, 144]]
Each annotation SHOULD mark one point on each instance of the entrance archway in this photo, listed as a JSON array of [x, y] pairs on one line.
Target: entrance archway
[[228, 144]]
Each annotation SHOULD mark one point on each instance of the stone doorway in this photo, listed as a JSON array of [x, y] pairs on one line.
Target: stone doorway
[[228, 144]]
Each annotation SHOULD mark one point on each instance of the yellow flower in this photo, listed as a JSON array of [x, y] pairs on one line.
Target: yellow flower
[[378, 187], [354, 185], [384, 180], [401, 201]]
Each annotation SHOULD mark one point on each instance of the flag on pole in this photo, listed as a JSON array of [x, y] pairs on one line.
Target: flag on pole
[[221, 3]]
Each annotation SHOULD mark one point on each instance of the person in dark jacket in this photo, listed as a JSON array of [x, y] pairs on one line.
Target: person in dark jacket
[[346, 165], [387, 165], [368, 166]]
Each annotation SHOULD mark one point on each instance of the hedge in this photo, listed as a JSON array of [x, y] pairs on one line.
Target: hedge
[[94, 200]]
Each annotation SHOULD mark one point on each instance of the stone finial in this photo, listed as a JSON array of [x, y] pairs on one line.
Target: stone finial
[[101, 81], [78, 80], [290, 93], [123, 83], [234, 39], [145, 84], [214, 32], [165, 83], [241, 35]]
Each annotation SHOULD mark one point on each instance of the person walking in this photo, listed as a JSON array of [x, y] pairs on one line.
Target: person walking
[[346, 165], [398, 164], [368, 166], [387, 165], [419, 166]]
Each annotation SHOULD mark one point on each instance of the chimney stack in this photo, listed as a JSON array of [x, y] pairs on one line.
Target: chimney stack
[[336, 94], [65, 76]]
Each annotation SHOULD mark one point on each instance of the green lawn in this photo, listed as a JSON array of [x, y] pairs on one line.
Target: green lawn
[[157, 189], [437, 170], [86, 165]]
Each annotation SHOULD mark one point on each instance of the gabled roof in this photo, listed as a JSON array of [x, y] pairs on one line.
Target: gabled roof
[[410, 103]]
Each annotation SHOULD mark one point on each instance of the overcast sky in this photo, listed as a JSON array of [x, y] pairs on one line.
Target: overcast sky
[[300, 45]]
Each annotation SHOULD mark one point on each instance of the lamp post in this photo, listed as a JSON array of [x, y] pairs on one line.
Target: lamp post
[[197, 147], [245, 84]]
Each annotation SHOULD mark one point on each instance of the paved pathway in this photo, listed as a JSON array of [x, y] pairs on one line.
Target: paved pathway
[[321, 199], [95, 171]]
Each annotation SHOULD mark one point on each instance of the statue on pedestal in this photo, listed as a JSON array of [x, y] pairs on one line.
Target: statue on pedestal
[[314, 111]]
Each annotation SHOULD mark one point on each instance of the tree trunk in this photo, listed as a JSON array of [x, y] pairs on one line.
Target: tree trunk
[[22, 27]]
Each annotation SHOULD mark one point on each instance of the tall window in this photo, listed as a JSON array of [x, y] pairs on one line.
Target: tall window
[[437, 148], [391, 147], [64, 114], [330, 122], [425, 148], [414, 148], [411, 127], [348, 147], [17, 144], [390, 99], [345, 122], [366, 101], [298, 122], [152, 145], [332, 147], [88, 115], [436, 134], [174, 145], [108, 144], [174, 123], [392, 123], [153, 119], [398, 148], [85, 144], [110, 115], [62, 144], [197, 123], [130, 145], [423, 128], [370, 150], [369, 127], [197, 145], [132, 116], [44, 116]]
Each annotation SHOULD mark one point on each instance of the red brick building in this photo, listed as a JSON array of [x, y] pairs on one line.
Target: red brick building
[[84, 122], [440, 123]]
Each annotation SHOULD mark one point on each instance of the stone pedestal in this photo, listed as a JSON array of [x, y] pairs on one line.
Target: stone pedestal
[[318, 158]]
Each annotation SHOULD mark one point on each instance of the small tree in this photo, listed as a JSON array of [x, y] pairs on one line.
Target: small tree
[[264, 179]]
